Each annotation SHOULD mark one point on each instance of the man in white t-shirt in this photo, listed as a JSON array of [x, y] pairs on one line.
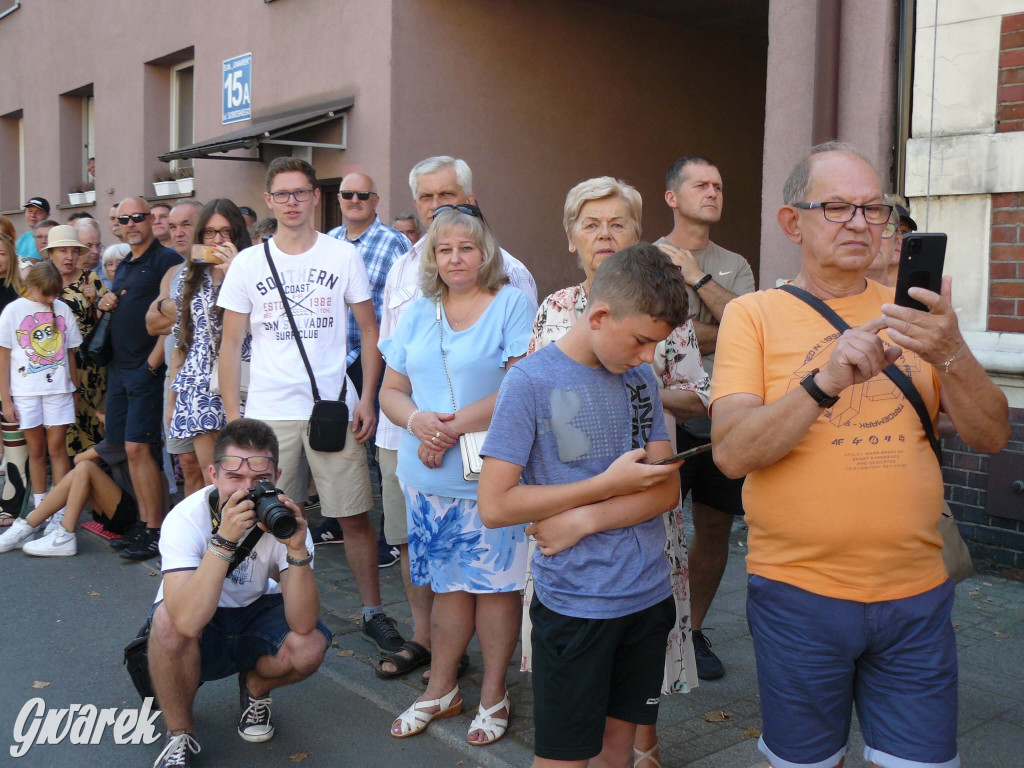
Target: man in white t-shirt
[[322, 279], [434, 182], [258, 620]]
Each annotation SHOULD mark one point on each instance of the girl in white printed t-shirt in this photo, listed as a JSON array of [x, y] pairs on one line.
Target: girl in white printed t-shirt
[[38, 376]]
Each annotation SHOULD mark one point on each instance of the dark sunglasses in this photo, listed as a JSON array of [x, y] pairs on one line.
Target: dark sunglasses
[[360, 195], [138, 218], [466, 208]]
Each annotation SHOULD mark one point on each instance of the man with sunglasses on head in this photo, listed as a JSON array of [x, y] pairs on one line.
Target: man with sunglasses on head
[[321, 279], [848, 600], [135, 374], [234, 599], [380, 246]]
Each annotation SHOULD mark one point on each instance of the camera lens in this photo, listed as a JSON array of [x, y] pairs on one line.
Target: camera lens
[[274, 515]]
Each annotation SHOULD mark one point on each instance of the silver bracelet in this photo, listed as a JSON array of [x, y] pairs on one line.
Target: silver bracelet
[[945, 365], [299, 561], [211, 548], [408, 424]]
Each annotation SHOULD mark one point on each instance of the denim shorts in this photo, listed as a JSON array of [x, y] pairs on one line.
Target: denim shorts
[[818, 656], [135, 405], [235, 638]]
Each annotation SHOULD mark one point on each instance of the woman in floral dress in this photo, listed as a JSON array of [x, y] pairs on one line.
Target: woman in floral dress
[[198, 413], [601, 217], [83, 288]]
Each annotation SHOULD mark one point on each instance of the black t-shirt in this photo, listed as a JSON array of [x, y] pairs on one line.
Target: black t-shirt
[[140, 278], [7, 294]]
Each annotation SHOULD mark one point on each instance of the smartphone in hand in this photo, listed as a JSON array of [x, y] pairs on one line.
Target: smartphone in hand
[[921, 261], [683, 455]]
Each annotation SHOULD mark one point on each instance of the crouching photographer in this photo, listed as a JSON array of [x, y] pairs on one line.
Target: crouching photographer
[[219, 612]]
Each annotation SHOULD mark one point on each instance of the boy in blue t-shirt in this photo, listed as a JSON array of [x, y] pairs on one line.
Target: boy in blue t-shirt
[[576, 421]]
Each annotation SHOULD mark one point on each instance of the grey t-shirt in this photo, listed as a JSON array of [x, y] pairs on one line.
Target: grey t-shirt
[[563, 421]]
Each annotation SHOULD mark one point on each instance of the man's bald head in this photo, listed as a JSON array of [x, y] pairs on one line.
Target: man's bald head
[[134, 205], [356, 213], [138, 234], [797, 185]]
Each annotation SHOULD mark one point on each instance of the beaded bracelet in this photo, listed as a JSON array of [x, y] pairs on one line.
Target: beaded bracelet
[[223, 543], [218, 553], [408, 424]]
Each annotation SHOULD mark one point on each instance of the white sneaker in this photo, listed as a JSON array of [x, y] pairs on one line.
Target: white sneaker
[[19, 532], [60, 543], [54, 522]]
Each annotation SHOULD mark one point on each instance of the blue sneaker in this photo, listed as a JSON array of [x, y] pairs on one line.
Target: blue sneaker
[[329, 533]]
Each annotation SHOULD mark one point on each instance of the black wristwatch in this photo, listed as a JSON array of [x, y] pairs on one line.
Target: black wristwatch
[[702, 282], [823, 400]]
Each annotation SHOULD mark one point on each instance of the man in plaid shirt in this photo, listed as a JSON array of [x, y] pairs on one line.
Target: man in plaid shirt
[[380, 246]]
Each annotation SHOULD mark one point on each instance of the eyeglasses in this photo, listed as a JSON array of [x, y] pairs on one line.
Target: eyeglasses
[[138, 218], [466, 208], [361, 195], [209, 234], [891, 227], [283, 195], [840, 213], [255, 463]]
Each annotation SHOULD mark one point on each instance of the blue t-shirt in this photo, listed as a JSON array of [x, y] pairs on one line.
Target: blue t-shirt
[[563, 421], [476, 362], [26, 246]]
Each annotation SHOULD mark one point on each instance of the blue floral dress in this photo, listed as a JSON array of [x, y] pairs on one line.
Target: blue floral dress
[[196, 410]]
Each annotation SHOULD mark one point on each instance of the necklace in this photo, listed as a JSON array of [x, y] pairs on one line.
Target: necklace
[[465, 316]]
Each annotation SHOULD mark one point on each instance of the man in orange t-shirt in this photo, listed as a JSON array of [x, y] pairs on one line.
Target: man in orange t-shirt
[[847, 597]]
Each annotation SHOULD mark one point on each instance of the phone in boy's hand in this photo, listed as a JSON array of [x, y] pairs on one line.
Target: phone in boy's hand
[[683, 455]]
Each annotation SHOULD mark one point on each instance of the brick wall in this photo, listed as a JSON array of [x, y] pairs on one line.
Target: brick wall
[[1006, 268], [993, 541]]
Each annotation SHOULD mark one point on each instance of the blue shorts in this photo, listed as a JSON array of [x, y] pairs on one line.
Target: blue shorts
[[135, 405], [817, 656], [235, 638]]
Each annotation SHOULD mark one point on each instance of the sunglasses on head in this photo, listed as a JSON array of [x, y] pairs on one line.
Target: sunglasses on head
[[360, 195], [466, 208], [138, 218]]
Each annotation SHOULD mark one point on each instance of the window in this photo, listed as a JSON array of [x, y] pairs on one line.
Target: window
[[12, 161], [77, 121], [182, 108]]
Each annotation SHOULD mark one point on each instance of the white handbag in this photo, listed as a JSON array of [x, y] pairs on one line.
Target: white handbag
[[470, 443]]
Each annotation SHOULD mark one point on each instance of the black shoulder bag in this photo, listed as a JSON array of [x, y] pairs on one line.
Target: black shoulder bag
[[136, 653], [897, 376], [328, 423]]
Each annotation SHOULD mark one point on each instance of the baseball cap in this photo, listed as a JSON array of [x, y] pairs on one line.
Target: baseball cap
[[39, 202], [904, 215]]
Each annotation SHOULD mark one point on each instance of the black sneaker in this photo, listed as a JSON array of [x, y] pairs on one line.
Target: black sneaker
[[131, 536], [329, 533], [387, 555], [146, 548], [313, 504], [709, 666], [382, 632], [178, 751], [254, 724]]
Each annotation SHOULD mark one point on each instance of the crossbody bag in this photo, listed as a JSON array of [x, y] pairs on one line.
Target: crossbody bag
[[328, 422], [955, 555], [470, 443]]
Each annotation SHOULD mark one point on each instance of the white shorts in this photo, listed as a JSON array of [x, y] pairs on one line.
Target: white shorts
[[45, 410]]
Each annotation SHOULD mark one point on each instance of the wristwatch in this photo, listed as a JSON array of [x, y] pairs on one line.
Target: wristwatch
[[300, 561], [823, 400]]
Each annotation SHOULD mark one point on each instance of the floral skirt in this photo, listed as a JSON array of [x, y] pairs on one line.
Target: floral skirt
[[450, 550]]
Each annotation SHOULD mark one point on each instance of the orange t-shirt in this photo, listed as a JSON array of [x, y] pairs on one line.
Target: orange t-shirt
[[851, 511]]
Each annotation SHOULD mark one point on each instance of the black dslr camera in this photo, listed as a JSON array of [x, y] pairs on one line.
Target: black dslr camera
[[274, 515]]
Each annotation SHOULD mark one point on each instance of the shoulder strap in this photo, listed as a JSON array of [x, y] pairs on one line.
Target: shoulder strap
[[897, 376], [444, 355], [291, 322], [244, 549]]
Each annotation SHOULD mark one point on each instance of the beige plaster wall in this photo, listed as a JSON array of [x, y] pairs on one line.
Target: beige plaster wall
[[537, 96]]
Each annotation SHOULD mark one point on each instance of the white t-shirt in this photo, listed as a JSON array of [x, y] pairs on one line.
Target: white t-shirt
[[320, 285], [40, 345], [183, 540]]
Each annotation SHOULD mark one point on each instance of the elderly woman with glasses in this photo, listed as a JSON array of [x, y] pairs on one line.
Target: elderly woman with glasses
[[197, 412], [445, 363], [602, 216]]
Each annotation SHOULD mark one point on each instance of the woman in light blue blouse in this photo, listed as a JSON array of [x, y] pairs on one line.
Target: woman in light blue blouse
[[469, 327]]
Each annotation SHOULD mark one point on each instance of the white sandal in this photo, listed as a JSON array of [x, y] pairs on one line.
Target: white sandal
[[639, 757], [415, 720], [493, 727]]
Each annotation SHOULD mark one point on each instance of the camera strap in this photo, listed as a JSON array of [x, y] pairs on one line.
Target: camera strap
[[248, 543], [295, 330], [900, 379]]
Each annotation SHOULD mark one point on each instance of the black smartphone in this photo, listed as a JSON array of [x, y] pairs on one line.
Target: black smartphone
[[683, 455], [921, 260]]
